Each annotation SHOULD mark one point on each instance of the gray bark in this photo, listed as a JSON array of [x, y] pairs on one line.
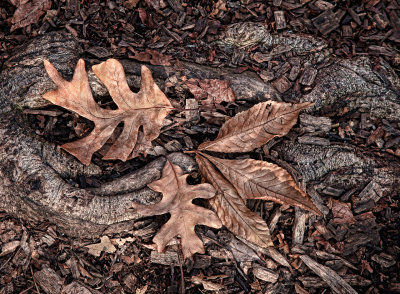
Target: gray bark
[[34, 172]]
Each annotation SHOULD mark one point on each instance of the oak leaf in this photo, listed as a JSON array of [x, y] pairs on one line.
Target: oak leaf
[[254, 127], [177, 200], [231, 207], [147, 108]]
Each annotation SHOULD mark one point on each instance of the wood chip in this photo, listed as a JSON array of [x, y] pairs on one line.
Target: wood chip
[[9, 247], [328, 256], [192, 114], [274, 219], [323, 5], [73, 267], [385, 260], [326, 22], [316, 282], [294, 72], [280, 21], [334, 281], [282, 84], [299, 226], [43, 112], [371, 193], [264, 274], [347, 31], [315, 124], [48, 280], [308, 76], [78, 288], [317, 200], [309, 140], [166, 258]]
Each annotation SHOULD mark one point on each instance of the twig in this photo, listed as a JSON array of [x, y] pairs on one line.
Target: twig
[[34, 281]]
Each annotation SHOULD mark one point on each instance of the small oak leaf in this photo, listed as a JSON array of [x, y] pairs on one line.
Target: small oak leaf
[[147, 108], [177, 200]]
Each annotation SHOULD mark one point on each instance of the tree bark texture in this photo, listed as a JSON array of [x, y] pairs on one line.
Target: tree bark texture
[[34, 172]]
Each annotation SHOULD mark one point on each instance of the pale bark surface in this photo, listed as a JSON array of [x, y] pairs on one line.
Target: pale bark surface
[[34, 172]]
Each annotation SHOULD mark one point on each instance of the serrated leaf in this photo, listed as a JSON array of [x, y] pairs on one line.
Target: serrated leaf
[[256, 179], [177, 200], [232, 209], [254, 127]]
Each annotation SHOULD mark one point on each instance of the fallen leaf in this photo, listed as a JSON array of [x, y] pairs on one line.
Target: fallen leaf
[[211, 91], [342, 213], [28, 12], [256, 179], [219, 6], [147, 108], [121, 241], [104, 245], [254, 127], [177, 200], [152, 56], [231, 208]]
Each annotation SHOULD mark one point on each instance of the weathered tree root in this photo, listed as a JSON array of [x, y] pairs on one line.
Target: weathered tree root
[[33, 172]]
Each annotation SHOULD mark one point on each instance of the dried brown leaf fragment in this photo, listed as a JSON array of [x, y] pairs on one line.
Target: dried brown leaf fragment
[[177, 200], [211, 91], [28, 12]]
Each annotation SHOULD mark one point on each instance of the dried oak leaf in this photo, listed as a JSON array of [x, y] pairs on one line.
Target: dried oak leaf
[[28, 12], [177, 200], [147, 108], [231, 208], [256, 179], [211, 91], [254, 127]]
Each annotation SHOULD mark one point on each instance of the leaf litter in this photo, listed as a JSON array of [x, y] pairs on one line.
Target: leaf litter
[[231, 182]]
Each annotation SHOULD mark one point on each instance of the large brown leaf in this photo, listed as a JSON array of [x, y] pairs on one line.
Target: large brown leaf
[[255, 179], [232, 209], [177, 200], [147, 108], [254, 127]]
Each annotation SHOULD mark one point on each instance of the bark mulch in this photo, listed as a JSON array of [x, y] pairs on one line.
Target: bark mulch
[[357, 242]]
